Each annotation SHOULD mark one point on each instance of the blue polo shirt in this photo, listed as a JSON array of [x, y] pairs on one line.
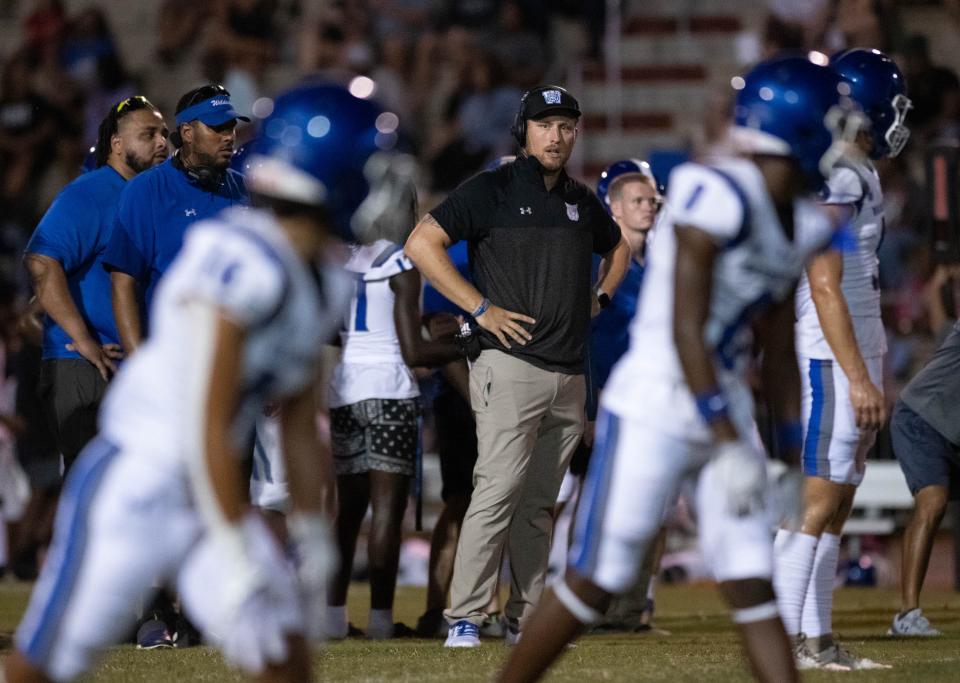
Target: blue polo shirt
[[75, 231], [610, 330], [156, 208], [434, 301]]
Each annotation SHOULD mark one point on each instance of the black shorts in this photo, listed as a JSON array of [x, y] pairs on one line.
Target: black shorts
[[926, 458], [380, 434], [71, 390], [456, 443]]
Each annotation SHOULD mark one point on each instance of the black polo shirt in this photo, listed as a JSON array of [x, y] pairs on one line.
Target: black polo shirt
[[530, 252]]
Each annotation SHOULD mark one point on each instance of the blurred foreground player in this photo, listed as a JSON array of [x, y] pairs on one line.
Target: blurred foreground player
[[736, 240], [840, 344], [237, 324]]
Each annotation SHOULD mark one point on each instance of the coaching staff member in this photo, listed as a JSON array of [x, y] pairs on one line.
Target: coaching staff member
[[157, 207], [64, 257], [532, 231]]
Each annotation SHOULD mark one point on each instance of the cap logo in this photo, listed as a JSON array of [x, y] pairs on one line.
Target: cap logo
[[551, 96], [220, 102]]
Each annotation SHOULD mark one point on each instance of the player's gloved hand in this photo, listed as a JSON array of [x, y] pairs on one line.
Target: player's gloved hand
[[247, 645], [316, 559], [741, 473], [789, 487]]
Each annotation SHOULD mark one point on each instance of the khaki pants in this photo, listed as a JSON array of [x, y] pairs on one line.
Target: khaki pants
[[529, 422]]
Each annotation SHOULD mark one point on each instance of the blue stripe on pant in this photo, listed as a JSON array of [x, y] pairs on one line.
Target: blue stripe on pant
[[589, 523], [71, 531], [816, 444]]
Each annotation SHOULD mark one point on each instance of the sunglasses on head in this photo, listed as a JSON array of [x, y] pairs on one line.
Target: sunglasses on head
[[130, 100]]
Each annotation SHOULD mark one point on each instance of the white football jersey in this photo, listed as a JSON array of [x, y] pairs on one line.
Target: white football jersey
[[242, 263], [757, 264], [859, 185], [372, 365]]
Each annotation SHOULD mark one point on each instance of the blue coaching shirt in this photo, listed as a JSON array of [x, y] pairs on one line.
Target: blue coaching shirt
[[75, 231], [156, 208]]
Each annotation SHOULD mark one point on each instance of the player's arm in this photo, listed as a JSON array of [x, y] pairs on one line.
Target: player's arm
[[53, 294], [613, 268], [309, 462], [416, 351], [220, 475], [693, 283], [780, 376], [825, 273], [124, 293], [427, 248]]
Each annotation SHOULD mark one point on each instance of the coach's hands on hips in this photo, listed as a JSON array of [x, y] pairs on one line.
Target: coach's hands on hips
[[503, 323], [101, 357], [741, 473], [869, 408]]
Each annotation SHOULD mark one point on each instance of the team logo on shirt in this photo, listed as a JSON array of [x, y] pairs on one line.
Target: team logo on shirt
[[572, 212], [551, 96], [190, 212], [526, 211]]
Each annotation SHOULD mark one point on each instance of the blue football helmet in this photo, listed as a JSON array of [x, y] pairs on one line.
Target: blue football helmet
[[323, 146], [877, 85], [790, 106], [621, 168]]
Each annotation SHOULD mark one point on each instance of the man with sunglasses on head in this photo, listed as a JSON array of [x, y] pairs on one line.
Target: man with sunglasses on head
[[63, 257], [156, 209]]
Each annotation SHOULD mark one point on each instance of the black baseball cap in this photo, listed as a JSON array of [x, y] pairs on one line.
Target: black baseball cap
[[550, 100]]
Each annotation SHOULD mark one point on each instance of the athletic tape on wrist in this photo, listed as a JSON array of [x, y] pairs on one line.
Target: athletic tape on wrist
[[749, 615], [583, 612], [712, 405]]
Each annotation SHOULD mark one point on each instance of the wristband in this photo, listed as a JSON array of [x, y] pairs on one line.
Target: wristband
[[603, 299], [789, 436], [712, 405], [482, 308]]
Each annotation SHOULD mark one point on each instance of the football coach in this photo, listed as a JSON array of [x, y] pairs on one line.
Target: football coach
[[532, 231], [157, 207]]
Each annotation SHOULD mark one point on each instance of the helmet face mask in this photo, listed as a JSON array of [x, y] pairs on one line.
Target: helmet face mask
[[877, 85], [897, 134]]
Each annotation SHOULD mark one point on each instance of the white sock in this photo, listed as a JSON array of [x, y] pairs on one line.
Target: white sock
[[380, 624], [793, 555], [337, 626], [818, 605]]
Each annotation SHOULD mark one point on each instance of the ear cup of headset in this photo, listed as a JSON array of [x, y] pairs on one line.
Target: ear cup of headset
[[519, 127]]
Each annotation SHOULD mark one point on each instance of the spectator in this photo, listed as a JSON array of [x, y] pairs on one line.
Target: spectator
[[28, 127], [178, 25], [527, 387], [934, 90], [64, 259]]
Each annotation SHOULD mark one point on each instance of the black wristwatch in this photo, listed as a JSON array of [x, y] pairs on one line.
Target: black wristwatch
[[603, 299]]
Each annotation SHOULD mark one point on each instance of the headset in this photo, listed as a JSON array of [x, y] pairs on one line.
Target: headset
[[204, 176], [519, 127]]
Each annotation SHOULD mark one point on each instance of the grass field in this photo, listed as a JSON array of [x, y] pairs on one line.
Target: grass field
[[700, 647]]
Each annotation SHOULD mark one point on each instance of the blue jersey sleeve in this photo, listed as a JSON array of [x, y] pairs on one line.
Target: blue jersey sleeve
[[130, 248], [59, 233]]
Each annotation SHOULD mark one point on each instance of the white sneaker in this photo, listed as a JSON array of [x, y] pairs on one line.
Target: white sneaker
[[802, 656], [511, 635], [836, 658], [463, 634], [912, 623]]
